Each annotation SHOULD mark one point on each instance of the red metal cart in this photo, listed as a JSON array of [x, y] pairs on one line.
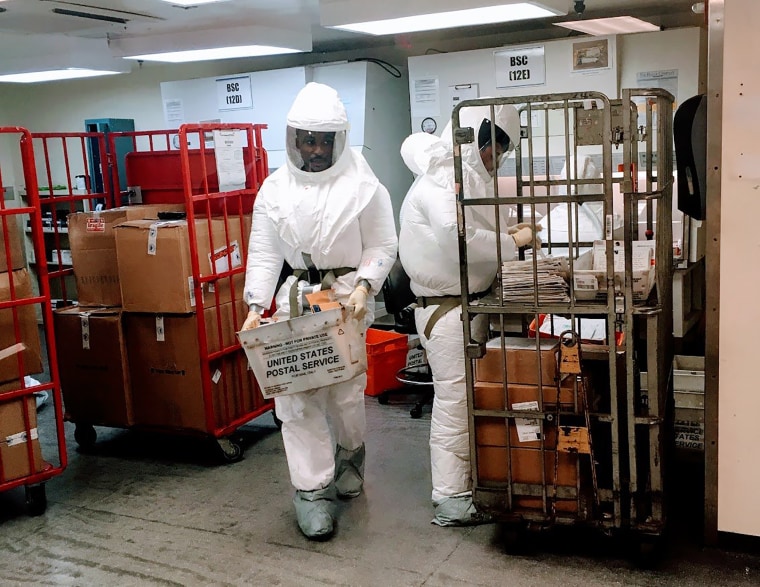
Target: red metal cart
[[21, 303], [195, 346]]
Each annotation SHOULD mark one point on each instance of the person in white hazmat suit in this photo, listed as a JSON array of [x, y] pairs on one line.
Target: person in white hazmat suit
[[429, 253], [330, 219]]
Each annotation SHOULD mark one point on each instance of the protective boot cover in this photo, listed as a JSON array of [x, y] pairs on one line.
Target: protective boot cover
[[459, 511], [349, 471], [315, 511]]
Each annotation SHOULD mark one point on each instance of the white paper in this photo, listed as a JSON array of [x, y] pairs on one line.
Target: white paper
[[20, 438], [425, 99], [225, 258], [174, 112], [590, 328], [527, 430], [461, 92], [228, 148], [666, 79]]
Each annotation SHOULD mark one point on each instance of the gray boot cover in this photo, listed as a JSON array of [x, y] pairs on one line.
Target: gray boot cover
[[459, 511], [314, 511], [349, 471]]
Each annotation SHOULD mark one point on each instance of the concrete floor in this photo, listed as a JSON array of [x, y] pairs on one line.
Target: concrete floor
[[149, 509]]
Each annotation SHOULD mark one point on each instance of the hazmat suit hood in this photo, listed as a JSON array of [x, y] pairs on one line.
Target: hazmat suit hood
[[309, 207], [426, 154], [317, 108]]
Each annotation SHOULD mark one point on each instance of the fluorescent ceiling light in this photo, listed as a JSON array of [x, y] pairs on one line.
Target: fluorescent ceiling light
[[207, 44], [31, 77], [192, 2], [617, 25], [216, 53], [450, 19]]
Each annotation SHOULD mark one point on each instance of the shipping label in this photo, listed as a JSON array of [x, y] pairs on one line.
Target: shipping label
[[95, 224], [527, 430]]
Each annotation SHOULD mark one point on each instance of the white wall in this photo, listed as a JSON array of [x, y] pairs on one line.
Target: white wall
[[629, 54], [674, 49], [739, 398]]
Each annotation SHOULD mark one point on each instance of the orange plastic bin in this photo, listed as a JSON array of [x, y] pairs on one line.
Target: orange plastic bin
[[386, 354]]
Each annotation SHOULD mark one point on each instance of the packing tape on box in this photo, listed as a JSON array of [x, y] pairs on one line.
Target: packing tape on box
[[160, 331], [84, 319], [152, 237], [14, 349], [20, 438]]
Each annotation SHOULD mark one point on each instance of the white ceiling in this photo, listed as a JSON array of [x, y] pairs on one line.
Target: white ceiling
[[135, 18]]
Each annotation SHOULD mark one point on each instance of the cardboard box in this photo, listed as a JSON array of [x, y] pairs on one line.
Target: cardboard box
[[165, 370], [493, 432], [93, 250], [490, 396], [15, 244], [494, 462], [155, 271], [92, 363], [27, 318], [521, 357], [14, 437]]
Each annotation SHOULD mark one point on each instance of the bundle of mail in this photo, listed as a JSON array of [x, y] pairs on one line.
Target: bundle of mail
[[550, 285]]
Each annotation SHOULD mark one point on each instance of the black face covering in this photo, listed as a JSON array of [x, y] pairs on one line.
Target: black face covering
[[484, 135]]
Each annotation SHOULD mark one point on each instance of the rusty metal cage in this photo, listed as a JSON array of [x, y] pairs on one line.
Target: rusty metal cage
[[593, 178]]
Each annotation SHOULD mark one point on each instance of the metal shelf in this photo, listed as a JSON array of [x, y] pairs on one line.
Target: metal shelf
[[49, 230]]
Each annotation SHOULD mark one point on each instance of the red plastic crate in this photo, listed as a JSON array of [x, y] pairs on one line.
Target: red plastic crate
[[386, 354]]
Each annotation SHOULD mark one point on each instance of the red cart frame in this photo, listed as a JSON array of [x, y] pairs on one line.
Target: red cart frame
[[204, 201], [39, 471], [188, 176]]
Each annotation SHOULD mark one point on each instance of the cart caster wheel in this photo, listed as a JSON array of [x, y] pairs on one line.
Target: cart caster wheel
[[649, 551], [382, 399], [416, 412], [36, 500], [86, 436], [231, 450], [277, 421]]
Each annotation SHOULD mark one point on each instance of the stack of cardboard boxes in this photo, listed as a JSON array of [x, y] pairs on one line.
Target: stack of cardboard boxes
[[513, 380], [130, 353], [18, 416]]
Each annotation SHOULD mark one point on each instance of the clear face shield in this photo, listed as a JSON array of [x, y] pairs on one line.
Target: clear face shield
[[493, 143], [314, 151]]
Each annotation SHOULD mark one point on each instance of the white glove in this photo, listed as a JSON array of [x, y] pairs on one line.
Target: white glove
[[252, 321], [357, 302]]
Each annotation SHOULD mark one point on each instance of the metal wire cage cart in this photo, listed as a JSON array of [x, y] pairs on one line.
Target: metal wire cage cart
[[560, 430], [24, 301]]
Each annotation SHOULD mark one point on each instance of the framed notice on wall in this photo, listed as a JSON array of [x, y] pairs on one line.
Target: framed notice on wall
[[520, 66], [591, 55]]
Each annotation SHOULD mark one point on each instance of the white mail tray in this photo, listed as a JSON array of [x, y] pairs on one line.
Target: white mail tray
[[308, 352]]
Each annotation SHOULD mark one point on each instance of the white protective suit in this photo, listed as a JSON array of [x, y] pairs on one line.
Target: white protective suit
[[428, 248], [341, 217]]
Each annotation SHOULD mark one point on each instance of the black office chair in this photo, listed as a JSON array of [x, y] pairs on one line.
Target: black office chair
[[400, 303]]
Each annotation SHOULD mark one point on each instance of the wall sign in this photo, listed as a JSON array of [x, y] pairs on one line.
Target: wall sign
[[234, 93], [520, 66], [591, 55]]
